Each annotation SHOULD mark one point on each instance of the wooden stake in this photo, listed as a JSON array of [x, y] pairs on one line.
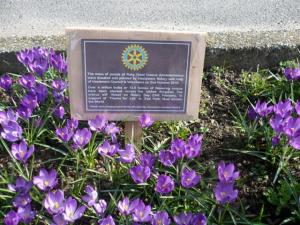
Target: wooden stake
[[133, 133]]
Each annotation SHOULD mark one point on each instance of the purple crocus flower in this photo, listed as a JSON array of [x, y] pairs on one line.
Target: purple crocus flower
[[147, 159], [43, 52], [3, 118], [277, 123], [46, 180], [11, 115], [140, 174], [58, 96], [193, 147], [66, 100], [39, 66], [107, 149], [59, 85], [40, 52], [7, 116], [296, 73], [26, 214], [189, 178], [21, 151], [59, 220], [22, 186], [166, 158], [146, 120], [24, 112], [11, 218], [41, 92], [25, 56], [54, 202], [263, 109], [71, 212], [283, 108], [297, 108], [196, 139], [292, 127], [292, 73], [91, 195], [27, 81], [82, 137], [165, 184], [295, 142], [123, 206], [12, 131], [127, 155], [72, 124], [135, 204], [161, 218], [199, 219], [287, 73], [275, 140], [107, 221], [142, 213], [183, 218], [58, 62], [21, 200], [64, 133], [59, 112], [112, 130], [5, 82], [100, 207], [29, 101], [226, 173], [225, 193], [251, 113], [98, 124], [178, 148]]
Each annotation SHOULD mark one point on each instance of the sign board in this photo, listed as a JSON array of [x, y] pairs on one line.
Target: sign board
[[124, 73]]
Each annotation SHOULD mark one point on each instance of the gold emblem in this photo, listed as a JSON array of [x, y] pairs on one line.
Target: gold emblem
[[134, 57]]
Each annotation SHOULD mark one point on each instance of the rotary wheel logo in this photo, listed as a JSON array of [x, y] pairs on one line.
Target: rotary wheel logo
[[134, 57]]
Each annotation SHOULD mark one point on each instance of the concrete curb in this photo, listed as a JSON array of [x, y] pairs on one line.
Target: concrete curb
[[236, 50]]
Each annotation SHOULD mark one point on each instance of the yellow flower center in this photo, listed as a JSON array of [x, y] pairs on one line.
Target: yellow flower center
[[56, 205]]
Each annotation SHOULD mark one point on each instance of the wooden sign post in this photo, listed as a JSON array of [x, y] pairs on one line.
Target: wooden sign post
[[123, 73]]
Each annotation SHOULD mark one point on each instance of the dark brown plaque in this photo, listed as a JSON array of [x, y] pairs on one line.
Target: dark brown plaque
[[135, 76], [123, 73]]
